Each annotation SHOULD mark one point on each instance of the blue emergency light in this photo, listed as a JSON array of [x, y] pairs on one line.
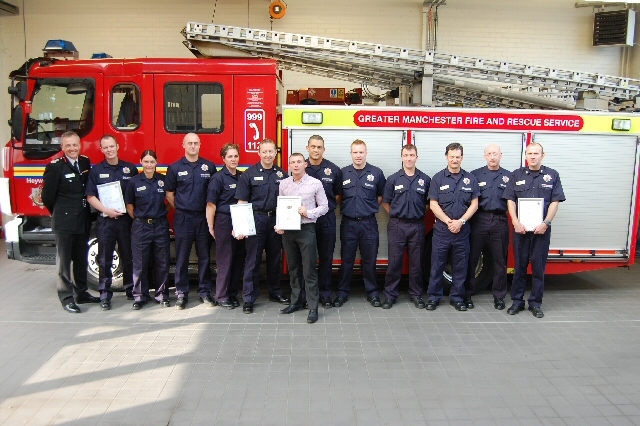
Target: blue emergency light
[[101, 55], [59, 45]]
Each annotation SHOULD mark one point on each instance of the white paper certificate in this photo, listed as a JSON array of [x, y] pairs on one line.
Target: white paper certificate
[[110, 195], [287, 216], [242, 219], [530, 212]]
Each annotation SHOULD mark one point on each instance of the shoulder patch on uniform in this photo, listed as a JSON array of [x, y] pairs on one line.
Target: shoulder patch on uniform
[[55, 161], [82, 155]]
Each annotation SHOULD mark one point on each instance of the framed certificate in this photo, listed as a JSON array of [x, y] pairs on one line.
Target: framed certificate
[[530, 212], [110, 195], [242, 219], [287, 216]]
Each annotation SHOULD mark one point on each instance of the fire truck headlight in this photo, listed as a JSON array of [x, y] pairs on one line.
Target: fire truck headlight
[[621, 124], [311, 118]]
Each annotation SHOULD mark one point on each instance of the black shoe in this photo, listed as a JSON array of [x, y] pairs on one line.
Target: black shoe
[[291, 309], [208, 300], [536, 311], [278, 298], [375, 301], [418, 301], [460, 306], [72, 308], [138, 305], [234, 302], [326, 302], [87, 298], [226, 303], [469, 303], [165, 303], [431, 305], [181, 302], [388, 303], [339, 301], [313, 316], [129, 293], [498, 303], [105, 305], [514, 309], [247, 308]]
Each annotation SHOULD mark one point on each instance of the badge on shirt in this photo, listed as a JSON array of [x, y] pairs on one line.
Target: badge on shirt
[[346, 182], [399, 186], [443, 187], [232, 185], [421, 182], [327, 171], [505, 179], [520, 182], [160, 183], [104, 175], [466, 181], [546, 178], [69, 175], [279, 174], [546, 186], [482, 183], [126, 170], [141, 188], [204, 167], [370, 178], [258, 178], [184, 173]]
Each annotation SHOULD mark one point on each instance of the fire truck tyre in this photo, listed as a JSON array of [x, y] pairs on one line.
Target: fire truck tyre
[[483, 273], [92, 268]]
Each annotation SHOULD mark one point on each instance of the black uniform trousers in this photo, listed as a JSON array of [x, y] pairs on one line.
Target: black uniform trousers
[[489, 230], [302, 257], [230, 254], [326, 243], [190, 226], [535, 248], [444, 241], [267, 239], [108, 232], [150, 240], [71, 248], [404, 234], [362, 233]]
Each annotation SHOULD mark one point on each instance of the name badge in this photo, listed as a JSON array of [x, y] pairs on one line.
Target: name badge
[[141, 188], [258, 178], [184, 173], [346, 182], [104, 175], [232, 186], [399, 186], [482, 183], [520, 182], [443, 187], [69, 175]]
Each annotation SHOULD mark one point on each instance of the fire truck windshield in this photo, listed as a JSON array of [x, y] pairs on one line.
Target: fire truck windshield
[[59, 105]]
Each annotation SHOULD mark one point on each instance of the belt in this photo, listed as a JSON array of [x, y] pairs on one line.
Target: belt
[[149, 220], [191, 211], [263, 213], [494, 212], [360, 218], [418, 220]]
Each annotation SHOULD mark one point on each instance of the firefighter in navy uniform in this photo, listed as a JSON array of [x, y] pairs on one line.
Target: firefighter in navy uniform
[[259, 185], [186, 189], [63, 195], [453, 198], [145, 199], [362, 189], [406, 200], [112, 225], [331, 177], [490, 227], [532, 181]]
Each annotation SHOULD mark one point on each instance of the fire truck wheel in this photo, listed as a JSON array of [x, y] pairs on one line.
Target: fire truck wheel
[[92, 268]]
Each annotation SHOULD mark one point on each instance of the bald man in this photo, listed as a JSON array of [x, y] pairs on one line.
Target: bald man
[[489, 227]]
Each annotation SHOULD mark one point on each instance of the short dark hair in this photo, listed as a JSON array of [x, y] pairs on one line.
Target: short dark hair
[[454, 147], [317, 138], [409, 147], [227, 147], [536, 143], [296, 154], [149, 152]]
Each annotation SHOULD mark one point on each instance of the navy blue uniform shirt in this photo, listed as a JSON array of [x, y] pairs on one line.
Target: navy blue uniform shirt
[[190, 182], [147, 196], [525, 183], [222, 190], [492, 184], [331, 177], [360, 192], [104, 172], [408, 197], [260, 187], [454, 197]]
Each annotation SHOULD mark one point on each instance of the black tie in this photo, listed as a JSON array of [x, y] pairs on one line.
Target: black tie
[[75, 167]]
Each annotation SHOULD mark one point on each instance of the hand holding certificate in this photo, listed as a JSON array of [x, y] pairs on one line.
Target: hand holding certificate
[[242, 220], [287, 216], [530, 212], [110, 195]]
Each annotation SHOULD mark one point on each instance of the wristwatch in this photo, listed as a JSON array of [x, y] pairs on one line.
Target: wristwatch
[[547, 222], [463, 221]]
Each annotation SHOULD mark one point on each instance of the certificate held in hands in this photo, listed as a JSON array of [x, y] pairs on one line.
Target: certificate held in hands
[[530, 212], [287, 216], [242, 219], [110, 195]]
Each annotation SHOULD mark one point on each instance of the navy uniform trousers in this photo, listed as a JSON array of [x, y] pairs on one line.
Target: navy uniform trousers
[[230, 254], [267, 239], [190, 226], [489, 230], [405, 234], [536, 248], [443, 242], [110, 231], [326, 243], [150, 239], [362, 233]]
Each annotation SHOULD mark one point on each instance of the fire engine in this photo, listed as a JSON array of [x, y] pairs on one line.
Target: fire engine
[[232, 91]]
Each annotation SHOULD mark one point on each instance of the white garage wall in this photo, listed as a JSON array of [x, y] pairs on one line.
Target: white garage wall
[[542, 32]]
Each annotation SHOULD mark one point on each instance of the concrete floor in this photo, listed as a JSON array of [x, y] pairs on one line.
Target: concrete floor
[[357, 365]]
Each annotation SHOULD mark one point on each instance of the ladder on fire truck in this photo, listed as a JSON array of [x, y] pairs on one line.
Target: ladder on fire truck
[[429, 77]]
